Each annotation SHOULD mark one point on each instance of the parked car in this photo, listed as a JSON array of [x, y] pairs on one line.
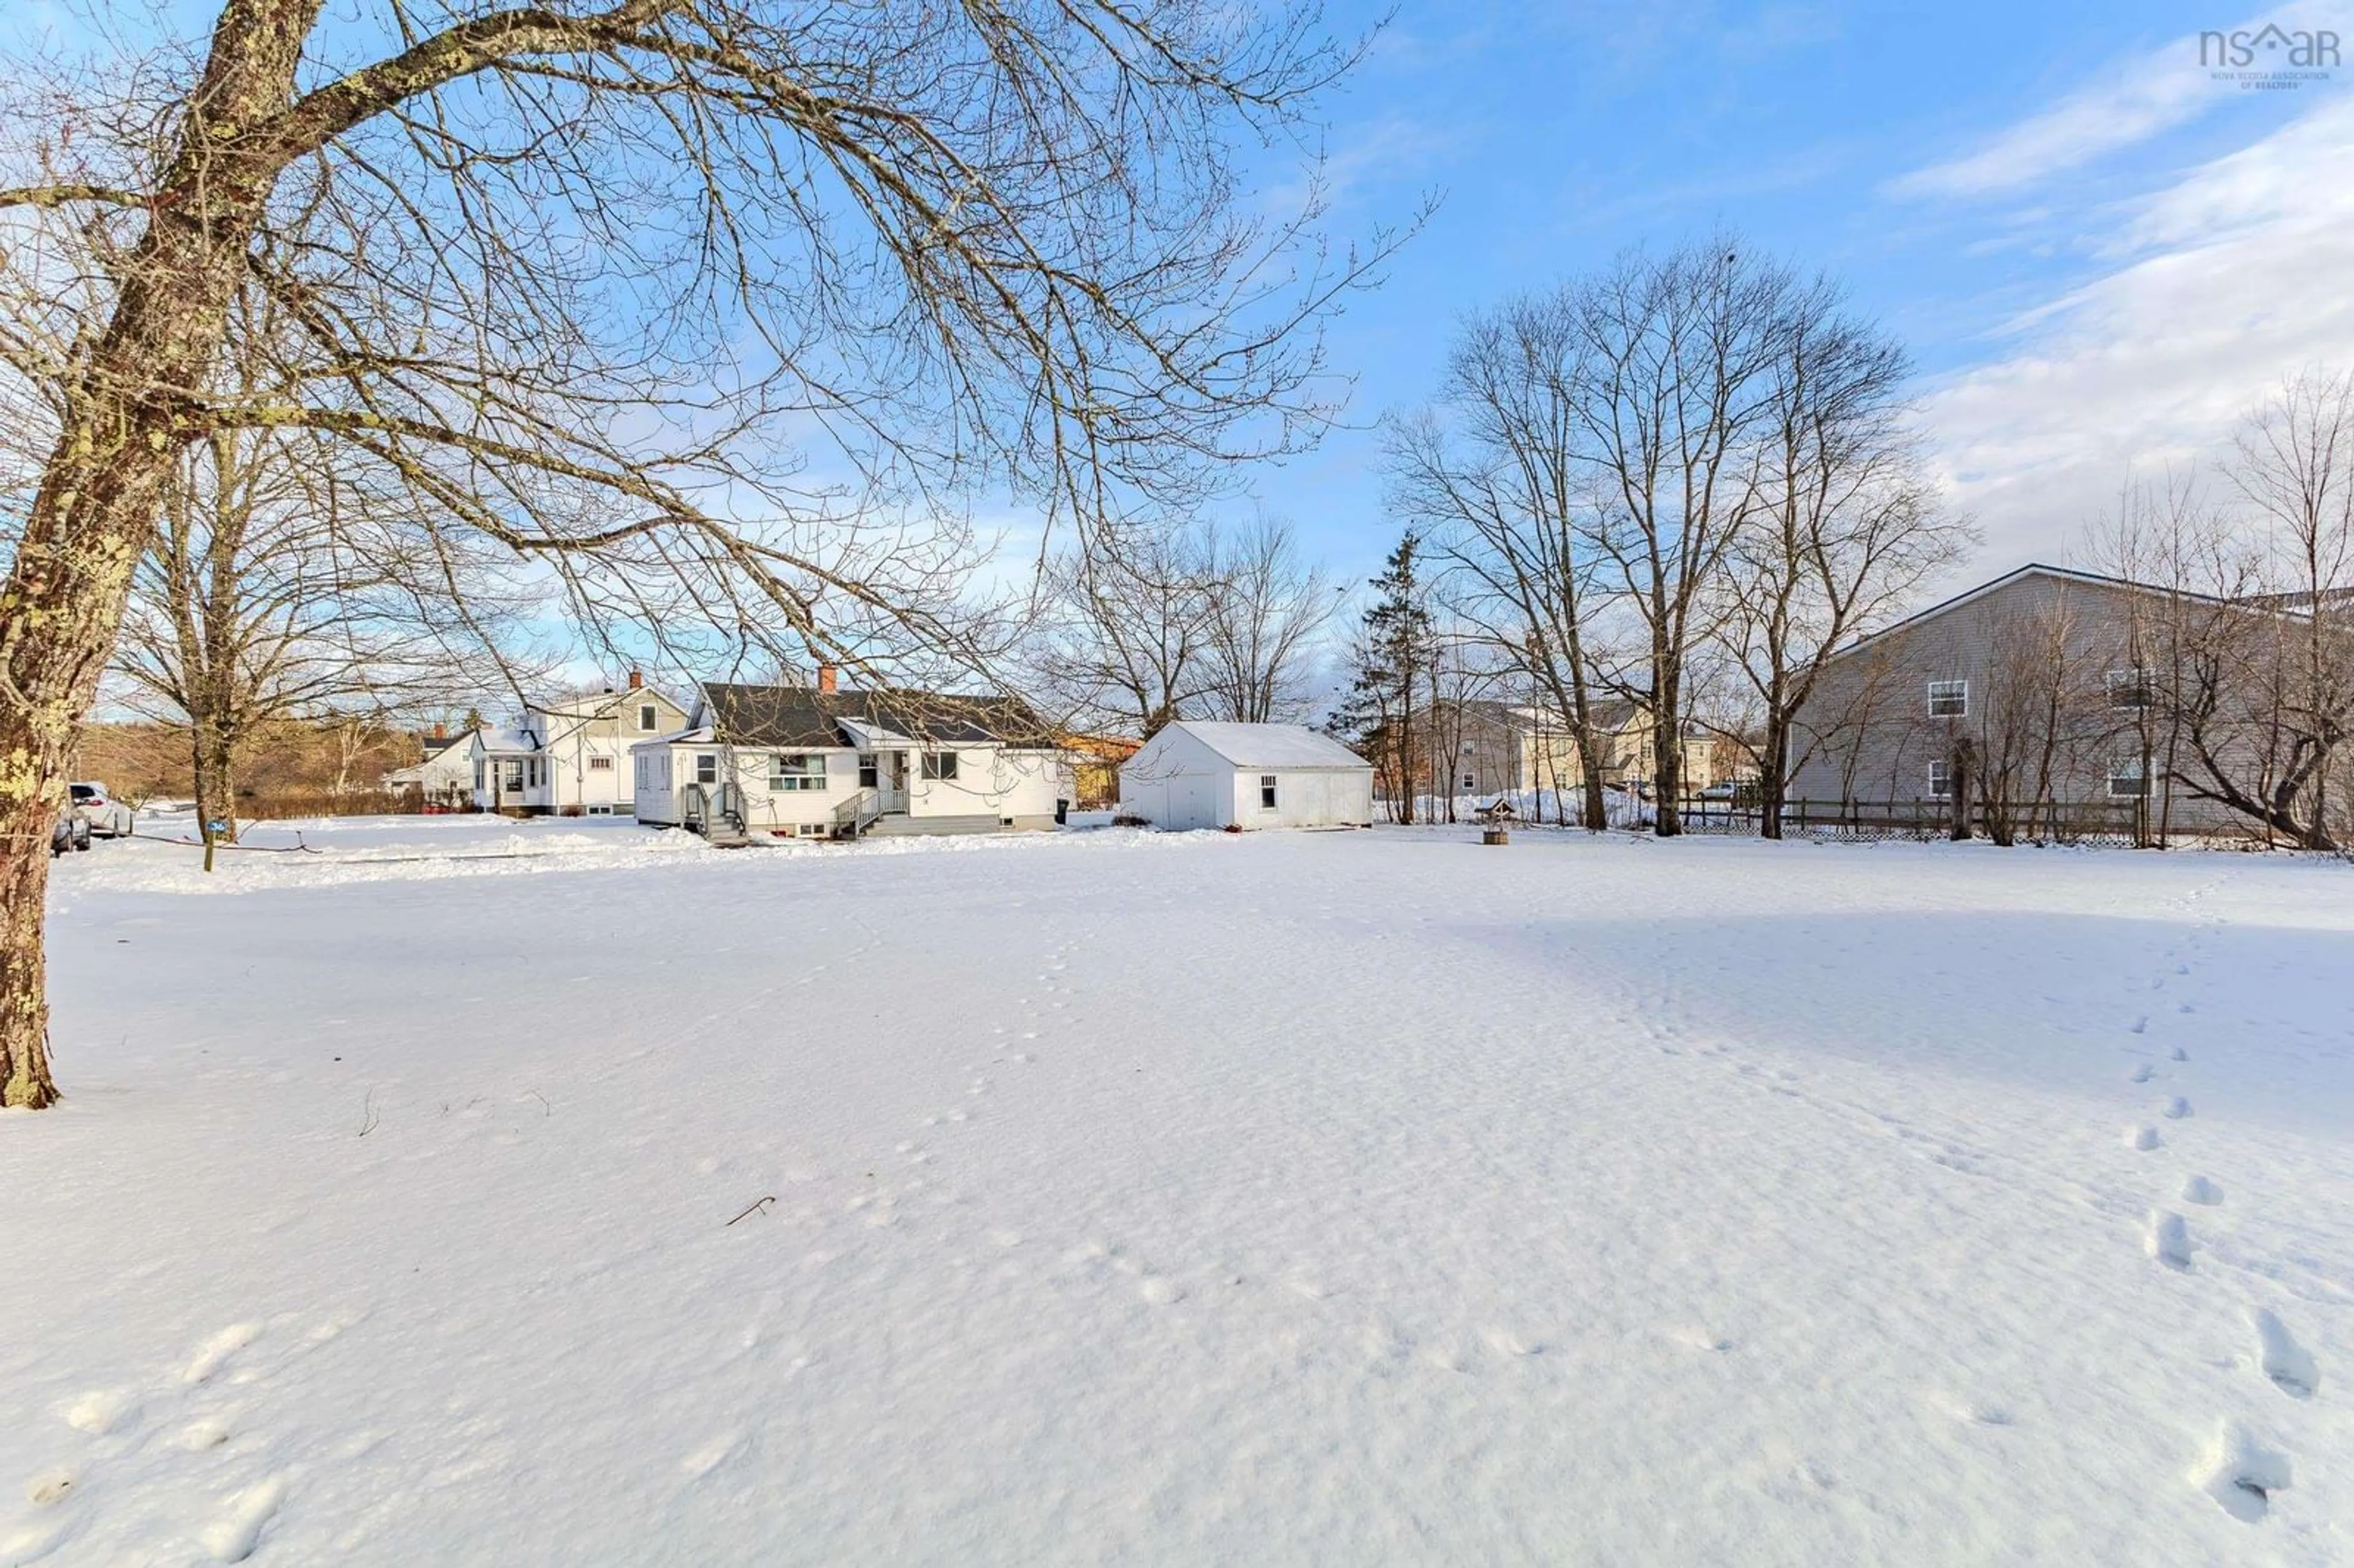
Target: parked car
[[71, 833], [108, 817]]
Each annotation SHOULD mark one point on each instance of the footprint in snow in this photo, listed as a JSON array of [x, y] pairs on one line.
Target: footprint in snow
[[200, 1434], [2180, 1054], [2143, 1138], [233, 1535], [51, 1486], [2178, 1108], [2240, 1473], [2144, 1073], [2289, 1364], [2201, 1190], [2167, 1239], [2139, 1025], [710, 1456], [216, 1351], [31, 1543]]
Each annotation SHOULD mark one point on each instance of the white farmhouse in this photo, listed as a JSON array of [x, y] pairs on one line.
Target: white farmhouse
[[816, 761], [446, 777], [1199, 775], [570, 758]]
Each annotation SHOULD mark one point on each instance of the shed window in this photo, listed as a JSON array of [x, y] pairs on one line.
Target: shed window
[[790, 771], [706, 768], [2127, 781], [1266, 792], [1941, 780], [1949, 699], [940, 765], [649, 717]]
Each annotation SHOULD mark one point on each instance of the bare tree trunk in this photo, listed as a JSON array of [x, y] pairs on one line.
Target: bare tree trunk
[[115, 454]]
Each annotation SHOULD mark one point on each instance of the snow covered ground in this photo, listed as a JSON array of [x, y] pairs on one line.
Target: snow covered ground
[[477, 1193]]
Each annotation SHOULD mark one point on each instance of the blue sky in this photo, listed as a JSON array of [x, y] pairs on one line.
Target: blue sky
[[2097, 252]]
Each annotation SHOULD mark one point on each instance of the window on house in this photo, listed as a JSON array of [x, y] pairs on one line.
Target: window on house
[[1266, 792], [1470, 782], [1949, 699], [790, 771], [478, 773], [649, 717], [2126, 779], [940, 765], [1941, 781], [534, 773], [870, 771], [2131, 689], [706, 768], [515, 774], [600, 765]]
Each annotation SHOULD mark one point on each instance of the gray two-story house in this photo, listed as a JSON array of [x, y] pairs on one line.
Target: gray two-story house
[[2052, 686]]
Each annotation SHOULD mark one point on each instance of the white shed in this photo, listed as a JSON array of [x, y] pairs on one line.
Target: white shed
[[1198, 775]]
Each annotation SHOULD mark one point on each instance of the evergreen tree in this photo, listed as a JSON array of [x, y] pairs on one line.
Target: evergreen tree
[[1390, 657]]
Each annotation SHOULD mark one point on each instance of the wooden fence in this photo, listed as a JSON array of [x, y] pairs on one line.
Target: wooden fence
[[2022, 821]]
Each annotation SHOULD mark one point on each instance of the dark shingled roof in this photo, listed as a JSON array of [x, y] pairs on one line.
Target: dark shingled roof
[[804, 716]]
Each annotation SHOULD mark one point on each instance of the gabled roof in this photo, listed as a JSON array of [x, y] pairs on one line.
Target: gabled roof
[[803, 715], [1609, 712], [596, 705], [1271, 745], [497, 738], [2019, 574]]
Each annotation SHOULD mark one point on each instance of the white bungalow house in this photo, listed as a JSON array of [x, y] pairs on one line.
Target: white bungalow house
[[571, 757], [1199, 774], [817, 761], [446, 777]]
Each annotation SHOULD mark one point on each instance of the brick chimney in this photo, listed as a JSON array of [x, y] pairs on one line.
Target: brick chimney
[[637, 681], [440, 730], [829, 679]]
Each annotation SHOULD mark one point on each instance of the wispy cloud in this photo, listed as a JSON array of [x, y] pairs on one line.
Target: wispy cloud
[[2134, 100], [2212, 289]]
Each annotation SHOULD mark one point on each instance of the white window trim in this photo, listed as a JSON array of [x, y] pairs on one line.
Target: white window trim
[[1941, 780], [1947, 689], [2139, 684], [2129, 767], [809, 779], [649, 717], [1268, 797]]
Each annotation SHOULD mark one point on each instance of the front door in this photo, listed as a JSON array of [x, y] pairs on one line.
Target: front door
[[894, 797]]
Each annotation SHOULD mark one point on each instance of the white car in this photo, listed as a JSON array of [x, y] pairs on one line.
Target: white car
[[108, 817]]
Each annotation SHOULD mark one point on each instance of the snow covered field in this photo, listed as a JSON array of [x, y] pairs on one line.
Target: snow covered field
[[1352, 1199]]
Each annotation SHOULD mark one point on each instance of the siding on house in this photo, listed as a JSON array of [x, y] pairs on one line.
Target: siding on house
[[2031, 677]]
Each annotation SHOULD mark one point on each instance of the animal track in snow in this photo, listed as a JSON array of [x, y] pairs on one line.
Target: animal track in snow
[[2177, 1108], [710, 1456], [2168, 1239], [2180, 1054], [101, 1411], [2143, 1138], [33, 1542], [2240, 1473], [2289, 1364], [2143, 1073], [217, 1350], [51, 1486], [200, 1434], [233, 1536], [2199, 1190]]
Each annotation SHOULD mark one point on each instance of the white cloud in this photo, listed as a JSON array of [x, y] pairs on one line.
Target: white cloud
[[2216, 287], [2138, 100]]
